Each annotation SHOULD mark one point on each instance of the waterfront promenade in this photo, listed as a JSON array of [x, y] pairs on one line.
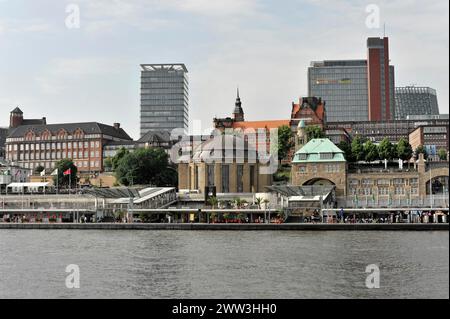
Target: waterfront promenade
[[233, 227]]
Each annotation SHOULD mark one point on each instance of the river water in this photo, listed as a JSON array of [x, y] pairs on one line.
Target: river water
[[185, 264]]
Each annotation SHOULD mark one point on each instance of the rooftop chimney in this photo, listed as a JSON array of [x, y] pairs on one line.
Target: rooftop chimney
[[116, 126]]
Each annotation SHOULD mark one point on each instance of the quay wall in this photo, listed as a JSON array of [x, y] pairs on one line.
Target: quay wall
[[231, 227]]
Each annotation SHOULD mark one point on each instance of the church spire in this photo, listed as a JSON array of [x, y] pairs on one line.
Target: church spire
[[238, 113]]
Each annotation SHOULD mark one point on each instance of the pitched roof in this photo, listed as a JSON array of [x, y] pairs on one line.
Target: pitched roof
[[161, 137], [87, 128], [311, 152], [261, 124], [17, 110]]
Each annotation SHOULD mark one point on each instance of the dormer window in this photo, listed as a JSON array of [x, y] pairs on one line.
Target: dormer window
[[326, 156], [303, 157]]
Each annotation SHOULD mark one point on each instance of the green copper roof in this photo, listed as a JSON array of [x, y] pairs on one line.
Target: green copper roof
[[319, 150]]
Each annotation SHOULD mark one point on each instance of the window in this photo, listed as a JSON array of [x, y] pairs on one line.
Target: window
[[240, 178], [383, 182], [326, 156], [332, 168], [210, 170], [252, 179], [196, 177], [225, 178]]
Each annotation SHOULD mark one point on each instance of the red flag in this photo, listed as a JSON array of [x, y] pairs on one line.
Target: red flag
[[68, 172]]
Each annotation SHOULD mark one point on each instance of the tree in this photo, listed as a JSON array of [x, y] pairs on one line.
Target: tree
[[314, 131], [258, 201], [442, 153], [108, 164], [284, 141], [239, 203], [347, 149], [213, 201], [370, 151], [116, 159], [145, 167], [358, 149], [404, 150], [421, 150], [386, 150], [62, 180], [38, 170]]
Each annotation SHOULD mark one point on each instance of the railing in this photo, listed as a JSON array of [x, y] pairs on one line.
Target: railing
[[436, 201], [437, 165]]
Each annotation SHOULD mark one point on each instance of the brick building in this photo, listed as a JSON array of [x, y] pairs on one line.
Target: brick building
[[433, 138], [31, 144]]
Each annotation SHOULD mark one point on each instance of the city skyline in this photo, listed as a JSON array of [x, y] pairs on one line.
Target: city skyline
[[89, 73]]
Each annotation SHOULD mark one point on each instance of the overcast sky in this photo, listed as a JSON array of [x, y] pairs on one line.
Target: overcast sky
[[92, 73]]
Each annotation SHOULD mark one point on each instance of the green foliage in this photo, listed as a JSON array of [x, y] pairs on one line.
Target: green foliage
[[421, 150], [65, 180], [284, 141], [116, 159], [39, 169], [283, 174], [314, 131], [108, 164], [347, 149], [370, 152], [259, 201], [442, 153], [404, 150], [386, 150], [213, 201], [239, 203], [145, 167], [358, 149]]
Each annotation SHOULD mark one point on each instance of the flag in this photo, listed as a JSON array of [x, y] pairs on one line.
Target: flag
[[43, 172], [68, 172], [55, 172]]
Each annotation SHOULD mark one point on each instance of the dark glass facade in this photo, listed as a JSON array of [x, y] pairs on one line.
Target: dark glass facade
[[164, 97], [413, 100]]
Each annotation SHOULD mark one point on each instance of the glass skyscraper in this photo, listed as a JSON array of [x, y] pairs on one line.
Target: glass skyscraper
[[356, 90], [413, 100], [343, 87], [164, 97]]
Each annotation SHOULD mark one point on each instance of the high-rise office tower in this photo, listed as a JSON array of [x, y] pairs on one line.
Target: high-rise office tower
[[342, 85], [381, 85], [164, 97], [356, 90], [413, 101]]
